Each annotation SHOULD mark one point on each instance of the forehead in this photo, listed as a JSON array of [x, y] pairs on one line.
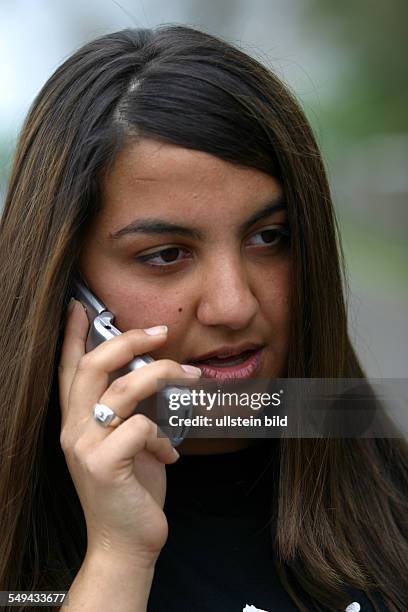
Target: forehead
[[152, 178]]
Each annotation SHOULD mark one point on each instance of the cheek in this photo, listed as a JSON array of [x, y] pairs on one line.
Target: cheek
[[135, 304], [275, 292], [140, 308]]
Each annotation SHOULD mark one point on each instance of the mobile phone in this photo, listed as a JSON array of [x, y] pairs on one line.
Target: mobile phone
[[101, 328]]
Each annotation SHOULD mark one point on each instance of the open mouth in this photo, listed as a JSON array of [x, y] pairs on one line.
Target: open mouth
[[233, 360], [245, 365]]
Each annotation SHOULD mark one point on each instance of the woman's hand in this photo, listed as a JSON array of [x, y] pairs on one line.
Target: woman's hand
[[118, 473]]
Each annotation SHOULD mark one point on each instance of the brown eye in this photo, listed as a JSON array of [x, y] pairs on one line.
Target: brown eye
[[164, 257], [169, 255], [271, 236]]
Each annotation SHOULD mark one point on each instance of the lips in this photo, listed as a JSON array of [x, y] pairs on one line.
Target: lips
[[247, 364]]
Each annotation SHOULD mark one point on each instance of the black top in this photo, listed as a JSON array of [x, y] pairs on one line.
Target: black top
[[219, 555]]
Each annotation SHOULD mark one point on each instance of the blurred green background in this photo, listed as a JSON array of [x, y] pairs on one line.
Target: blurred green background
[[345, 62]]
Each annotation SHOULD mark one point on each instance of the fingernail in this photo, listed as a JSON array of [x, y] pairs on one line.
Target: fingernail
[[176, 453], [71, 305], [155, 331], [191, 370]]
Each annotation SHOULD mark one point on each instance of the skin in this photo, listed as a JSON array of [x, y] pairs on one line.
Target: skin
[[226, 288]]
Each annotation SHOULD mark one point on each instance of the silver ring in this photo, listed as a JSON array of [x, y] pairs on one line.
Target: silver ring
[[105, 416]]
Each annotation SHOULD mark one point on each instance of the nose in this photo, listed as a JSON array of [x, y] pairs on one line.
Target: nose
[[226, 297]]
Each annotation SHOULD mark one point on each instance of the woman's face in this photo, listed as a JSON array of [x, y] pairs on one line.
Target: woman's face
[[191, 241]]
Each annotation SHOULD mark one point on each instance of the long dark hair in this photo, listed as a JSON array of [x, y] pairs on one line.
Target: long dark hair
[[179, 85]]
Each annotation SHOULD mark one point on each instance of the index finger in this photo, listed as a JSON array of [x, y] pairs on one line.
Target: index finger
[[73, 348]]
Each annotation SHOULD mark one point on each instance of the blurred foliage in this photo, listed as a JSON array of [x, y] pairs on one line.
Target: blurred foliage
[[371, 95], [365, 110], [378, 259]]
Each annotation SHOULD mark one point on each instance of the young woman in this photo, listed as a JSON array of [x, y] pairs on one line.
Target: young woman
[[182, 180]]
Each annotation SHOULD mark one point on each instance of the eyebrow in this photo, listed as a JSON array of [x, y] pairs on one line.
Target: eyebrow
[[161, 226]]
